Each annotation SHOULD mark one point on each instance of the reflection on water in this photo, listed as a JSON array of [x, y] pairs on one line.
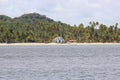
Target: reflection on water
[[100, 62]]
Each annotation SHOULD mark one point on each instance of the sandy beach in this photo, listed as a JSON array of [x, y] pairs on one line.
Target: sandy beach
[[57, 44]]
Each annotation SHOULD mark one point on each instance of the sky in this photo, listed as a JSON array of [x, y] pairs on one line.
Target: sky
[[72, 12]]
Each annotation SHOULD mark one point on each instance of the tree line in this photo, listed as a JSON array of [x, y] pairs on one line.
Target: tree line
[[34, 27]]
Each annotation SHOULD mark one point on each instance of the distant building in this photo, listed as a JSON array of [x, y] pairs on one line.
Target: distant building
[[72, 41], [58, 40]]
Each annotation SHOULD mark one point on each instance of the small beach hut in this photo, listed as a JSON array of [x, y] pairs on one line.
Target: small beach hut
[[72, 41], [58, 40]]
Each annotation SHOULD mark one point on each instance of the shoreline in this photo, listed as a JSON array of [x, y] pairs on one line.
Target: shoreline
[[53, 44]]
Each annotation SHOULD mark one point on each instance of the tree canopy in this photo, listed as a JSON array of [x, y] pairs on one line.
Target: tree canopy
[[34, 27]]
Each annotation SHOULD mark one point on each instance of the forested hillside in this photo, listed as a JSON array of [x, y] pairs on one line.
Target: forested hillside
[[34, 27]]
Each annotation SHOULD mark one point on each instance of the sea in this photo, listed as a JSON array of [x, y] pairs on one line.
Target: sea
[[60, 62]]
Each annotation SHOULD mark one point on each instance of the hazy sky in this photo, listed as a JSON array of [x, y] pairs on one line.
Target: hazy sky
[[68, 11]]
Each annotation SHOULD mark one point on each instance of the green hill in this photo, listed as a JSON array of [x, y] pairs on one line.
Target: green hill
[[34, 27], [33, 17]]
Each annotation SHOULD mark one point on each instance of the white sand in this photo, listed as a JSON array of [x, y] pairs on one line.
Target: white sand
[[40, 44]]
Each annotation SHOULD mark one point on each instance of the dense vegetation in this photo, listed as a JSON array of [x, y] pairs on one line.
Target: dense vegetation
[[34, 27]]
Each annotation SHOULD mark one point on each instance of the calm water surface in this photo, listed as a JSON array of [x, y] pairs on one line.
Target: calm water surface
[[89, 62]]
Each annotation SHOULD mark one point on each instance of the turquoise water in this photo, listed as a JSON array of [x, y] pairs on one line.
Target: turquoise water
[[88, 62]]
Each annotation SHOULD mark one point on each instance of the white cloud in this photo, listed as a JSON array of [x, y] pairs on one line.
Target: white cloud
[[69, 11]]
